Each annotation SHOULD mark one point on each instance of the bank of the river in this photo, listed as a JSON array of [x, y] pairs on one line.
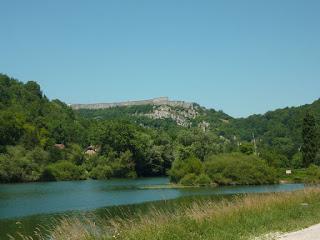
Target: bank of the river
[[33, 204], [239, 217]]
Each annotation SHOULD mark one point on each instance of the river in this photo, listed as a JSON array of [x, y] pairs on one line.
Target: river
[[30, 204]]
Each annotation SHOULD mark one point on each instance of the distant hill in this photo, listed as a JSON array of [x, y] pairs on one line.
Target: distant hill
[[155, 112], [280, 129], [28, 117], [42, 139]]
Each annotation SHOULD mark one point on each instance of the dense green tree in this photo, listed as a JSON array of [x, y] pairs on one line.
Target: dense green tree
[[246, 148], [63, 170], [309, 147], [17, 165], [274, 158], [11, 128], [297, 160], [181, 168], [101, 172]]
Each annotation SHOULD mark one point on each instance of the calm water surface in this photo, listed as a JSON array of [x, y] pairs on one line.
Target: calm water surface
[[33, 201]]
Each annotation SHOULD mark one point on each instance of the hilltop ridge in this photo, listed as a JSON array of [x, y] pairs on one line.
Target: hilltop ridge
[[154, 101]]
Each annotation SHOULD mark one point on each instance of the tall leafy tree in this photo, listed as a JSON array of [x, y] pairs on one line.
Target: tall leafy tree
[[309, 137]]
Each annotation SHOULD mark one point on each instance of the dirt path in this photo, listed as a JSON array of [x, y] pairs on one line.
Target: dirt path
[[310, 233]]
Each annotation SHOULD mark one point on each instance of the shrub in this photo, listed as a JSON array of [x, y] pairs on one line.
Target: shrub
[[218, 178], [18, 166], [313, 174], [237, 168], [223, 169], [246, 148], [63, 170], [123, 166], [180, 168], [203, 180], [189, 179], [101, 172]]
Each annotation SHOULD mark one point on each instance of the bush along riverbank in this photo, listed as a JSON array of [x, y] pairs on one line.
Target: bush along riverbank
[[223, 169], [236, 169], [237, 217]]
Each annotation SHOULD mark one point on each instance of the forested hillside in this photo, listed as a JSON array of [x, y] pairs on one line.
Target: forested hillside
[[279, 131], [277, 134], [47, 140]]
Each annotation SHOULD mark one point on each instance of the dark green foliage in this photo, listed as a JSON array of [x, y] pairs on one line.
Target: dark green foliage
[[275, 159], [111, 166], [313, 174], [117, 136], [63, 170], [116, 112], [11, 128], [223, 169], [124, 165], [297, 161], [203, 180], [193, 179], [101, 172], [46, 140], [246, 148], [136, 147], [279, 130], [181, 168], [33, 124], [194, 142], [217, 119], [52, 138], [20, 165], [29, 118], [238, 168], [309, 147], [189, 179], [132, 114]]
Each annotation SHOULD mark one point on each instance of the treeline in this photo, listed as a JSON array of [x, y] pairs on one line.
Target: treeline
[[43, 140], [30, 126], [46, 140], [278, 134]]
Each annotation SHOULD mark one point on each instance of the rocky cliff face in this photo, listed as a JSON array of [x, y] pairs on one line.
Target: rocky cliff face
[[181, 112], [181, 116]]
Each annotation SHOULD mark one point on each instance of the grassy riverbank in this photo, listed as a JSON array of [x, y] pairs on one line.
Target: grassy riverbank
[[237, 217]]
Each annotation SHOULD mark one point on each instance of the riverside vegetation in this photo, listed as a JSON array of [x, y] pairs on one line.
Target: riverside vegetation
[[43, 140], [234, 217]]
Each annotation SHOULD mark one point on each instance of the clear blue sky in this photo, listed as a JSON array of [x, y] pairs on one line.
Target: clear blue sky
[[242, 57]]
